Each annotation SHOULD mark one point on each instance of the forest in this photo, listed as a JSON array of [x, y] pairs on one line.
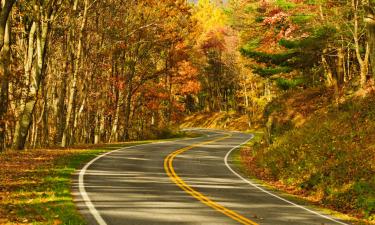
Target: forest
[[299, 72], [106, 71]]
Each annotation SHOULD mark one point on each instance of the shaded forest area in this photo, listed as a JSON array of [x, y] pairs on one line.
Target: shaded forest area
[[106, 71], [93, 71]]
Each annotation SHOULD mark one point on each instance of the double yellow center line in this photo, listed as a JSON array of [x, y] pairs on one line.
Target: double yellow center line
[[168, 166]]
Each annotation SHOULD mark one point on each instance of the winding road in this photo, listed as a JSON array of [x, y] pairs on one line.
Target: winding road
[[187, 181]]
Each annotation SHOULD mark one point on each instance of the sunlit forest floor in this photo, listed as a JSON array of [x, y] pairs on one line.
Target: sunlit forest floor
[[218, 120], [36, 184]]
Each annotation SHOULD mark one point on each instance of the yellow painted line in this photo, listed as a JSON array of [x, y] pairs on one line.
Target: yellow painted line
[[168, 166]]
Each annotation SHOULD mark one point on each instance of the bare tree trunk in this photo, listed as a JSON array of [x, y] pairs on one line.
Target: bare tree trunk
[[348, 64], [129, 94], [4, 85], [6, 7], [78, 116], [340, 66], [330, 81], [73, 84], [42, 30], [35, 130], [128, 98], [99, 127], [60, 117], [370, 22], [114, 134], [363, 62]]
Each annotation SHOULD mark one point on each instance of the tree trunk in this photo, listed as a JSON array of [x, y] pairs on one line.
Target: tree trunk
[[363, 62], [42, 30], [6, 7], [73, 84], [101, 127], [114, 134], [340, 66], [4, 85], [330, 81], [77, 117], [129, 95], [61, 117], [97, 132], [364, 67], [371, 40], [370, 22]]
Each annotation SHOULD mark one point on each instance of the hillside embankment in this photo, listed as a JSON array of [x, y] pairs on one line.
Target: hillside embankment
[[318, 149], [313, 147], [217, 120]]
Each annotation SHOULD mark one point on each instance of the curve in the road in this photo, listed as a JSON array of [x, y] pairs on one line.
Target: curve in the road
[[168, 166], [226, 159], [82, 189], [115, 188]]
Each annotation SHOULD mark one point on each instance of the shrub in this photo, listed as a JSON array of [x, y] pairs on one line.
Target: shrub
[[287, 84], [330, 157]]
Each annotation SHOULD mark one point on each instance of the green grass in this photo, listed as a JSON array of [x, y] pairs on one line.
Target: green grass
[[58, 184], [49, 201], [43, 194]]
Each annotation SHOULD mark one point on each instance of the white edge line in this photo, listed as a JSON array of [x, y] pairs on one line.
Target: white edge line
[[267, 192], [81, 185]]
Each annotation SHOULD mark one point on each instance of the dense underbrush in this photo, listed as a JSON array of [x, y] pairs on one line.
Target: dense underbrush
[[320, 150]]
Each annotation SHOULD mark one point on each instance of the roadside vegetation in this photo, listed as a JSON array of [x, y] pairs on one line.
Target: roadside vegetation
[[323, 154], [36, 184]]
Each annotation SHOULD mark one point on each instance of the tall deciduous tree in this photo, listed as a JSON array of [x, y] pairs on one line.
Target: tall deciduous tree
[[42, 16], [5, 35]]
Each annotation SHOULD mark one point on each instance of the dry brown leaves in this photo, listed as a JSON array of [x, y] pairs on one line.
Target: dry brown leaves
[[23, 170]]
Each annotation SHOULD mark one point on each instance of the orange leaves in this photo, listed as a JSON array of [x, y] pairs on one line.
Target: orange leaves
[[186, 70], [186, 81], [191, 87], [215, 39]]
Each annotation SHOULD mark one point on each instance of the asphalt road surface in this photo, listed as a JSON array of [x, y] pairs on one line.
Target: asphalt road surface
[[188, 181]]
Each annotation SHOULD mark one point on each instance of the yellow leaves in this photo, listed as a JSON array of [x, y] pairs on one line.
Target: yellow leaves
[[209, 15]]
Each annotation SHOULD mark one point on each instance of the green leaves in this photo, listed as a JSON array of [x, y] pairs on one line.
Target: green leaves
[[285, 4], [287, 84], [280, 58], [270, 71]]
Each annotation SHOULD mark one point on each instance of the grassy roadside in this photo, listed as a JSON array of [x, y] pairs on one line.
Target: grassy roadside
[[241, 158], [35, 185]]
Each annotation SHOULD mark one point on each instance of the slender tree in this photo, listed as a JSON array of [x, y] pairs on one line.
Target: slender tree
[[5, 29]]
